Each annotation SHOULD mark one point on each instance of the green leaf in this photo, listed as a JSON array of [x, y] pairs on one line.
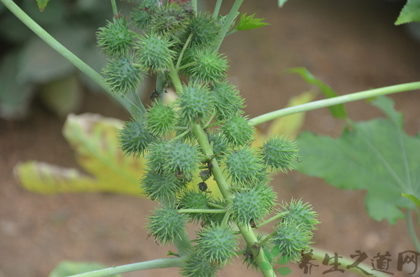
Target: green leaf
[[410, 12], [67, 268], [42, 4], [412, 198], [338, 111], [376, 156], [281, 3], [249, 22], [94, 139]]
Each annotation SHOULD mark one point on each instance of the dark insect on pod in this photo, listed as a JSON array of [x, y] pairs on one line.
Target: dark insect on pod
[[205, 174], [154, 95], [202, 186], [252, 223]]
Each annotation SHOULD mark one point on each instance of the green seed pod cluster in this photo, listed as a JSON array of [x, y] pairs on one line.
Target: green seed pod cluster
[[122, 75], [202, 134], [116, 39], [279, 153], [166, 224], [161, 119], [252, 204], [216, 244], [134, 138], [155, 52]]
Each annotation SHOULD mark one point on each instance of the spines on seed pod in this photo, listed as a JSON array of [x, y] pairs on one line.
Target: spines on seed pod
[[243, 167], [196, 266], [279, 154], [154, 52], [237, 131], [195, 103], [116, 39], [193, 199], [134, 138], [227, 100], [161, 119]]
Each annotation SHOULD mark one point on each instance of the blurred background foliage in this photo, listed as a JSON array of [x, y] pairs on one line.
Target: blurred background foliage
[[28, 67]]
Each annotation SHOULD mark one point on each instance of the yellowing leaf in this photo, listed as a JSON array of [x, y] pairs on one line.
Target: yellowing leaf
[[94, 139]]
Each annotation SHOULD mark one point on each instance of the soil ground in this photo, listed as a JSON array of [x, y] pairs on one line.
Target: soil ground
[[350, 44]]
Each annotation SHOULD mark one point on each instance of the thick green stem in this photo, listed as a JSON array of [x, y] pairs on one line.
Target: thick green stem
[[160, 85], [412, 231], [183, 244], [334, 101], [217, 8], [160, 263], [95, 76], [228, 22], [114, 7], [194, 5], [202, 211]]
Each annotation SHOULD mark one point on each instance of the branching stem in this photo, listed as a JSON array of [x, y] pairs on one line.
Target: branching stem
[[229, 20], [114, 7], [217, 8], [196, 211], [272, 219], [334, 101], [187, 43], [160, 263]]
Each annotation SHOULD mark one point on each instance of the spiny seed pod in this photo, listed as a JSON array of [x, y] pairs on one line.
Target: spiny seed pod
[[196, 266], [121, 74], [279, 153], [134, 138], [154, 52], [237, 131], [192, 199], [170, 20], [116, 39], [291, 239], [300, 213], [166, 224], [209, 66], [142, 16], [252, 204], [181, 158], [217, 244], [156, 157], [161, 119], [244, 167], [160, 187], [204, 28], [195, 103], [227, 100]]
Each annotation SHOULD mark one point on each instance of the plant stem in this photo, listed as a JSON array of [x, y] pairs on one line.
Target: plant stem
[[178, 63], [207, 211], [82, 66], [228, 22], [183, 244], [114, 7], [138, 101], [160, 263], [217, 8], [334, 101], [272, 219], [412, 231], [186, 65], [194, 5], [160, 85]]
